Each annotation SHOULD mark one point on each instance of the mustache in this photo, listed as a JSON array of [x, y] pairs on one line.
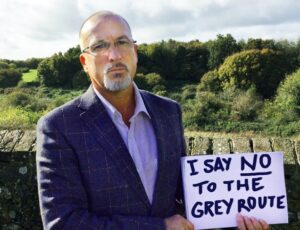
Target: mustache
[[115, 65]]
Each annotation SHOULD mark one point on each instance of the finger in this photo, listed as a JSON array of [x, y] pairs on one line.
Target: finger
[[190, 225], [187, 224], [256, 224], [248, 223], [264, 224], [240, 222]]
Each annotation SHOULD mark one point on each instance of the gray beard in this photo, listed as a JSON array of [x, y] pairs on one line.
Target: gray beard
[[118, 85]]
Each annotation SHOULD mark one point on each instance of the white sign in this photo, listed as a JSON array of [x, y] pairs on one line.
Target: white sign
[[217, 187]]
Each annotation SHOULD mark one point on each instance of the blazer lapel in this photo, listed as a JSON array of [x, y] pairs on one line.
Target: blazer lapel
[[160, 126], [107, 135]]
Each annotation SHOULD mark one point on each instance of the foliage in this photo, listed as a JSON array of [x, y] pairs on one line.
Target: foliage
[[18, 99], [18, 118], [163, 58], [286, 105], [52, 71], [30, 63], [221, 48], [9, 77], [4, 65], [80, 80], [188, 92], [261, 69], [258, 43], [207, 108], [150, 81], [246, 106], [192, 61], [210, 82], [222, 85], [60, 69], [174, 60]]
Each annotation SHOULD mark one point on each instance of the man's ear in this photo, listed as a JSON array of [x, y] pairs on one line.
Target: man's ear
[[82, 60]]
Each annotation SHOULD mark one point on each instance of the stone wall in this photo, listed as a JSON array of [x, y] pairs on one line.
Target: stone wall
[[18, 191]]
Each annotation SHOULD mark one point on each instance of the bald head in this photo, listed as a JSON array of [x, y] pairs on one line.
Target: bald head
[[91, 23]]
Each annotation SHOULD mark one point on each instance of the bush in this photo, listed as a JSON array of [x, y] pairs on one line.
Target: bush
[[150, 81], [80, 80], [246, 106], [188, 92], [57, 102], [59, 69], [221, 48], [158, 88], [4, 65], [18, 118], [206, 109], [286, 105], [18, 99], [262, 69], [210, 82], [25, 99], [9, 77], [26, 84], [52, 71], [23, 69]]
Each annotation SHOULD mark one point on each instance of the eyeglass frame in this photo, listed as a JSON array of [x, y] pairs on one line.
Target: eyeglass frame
[[130, 41]]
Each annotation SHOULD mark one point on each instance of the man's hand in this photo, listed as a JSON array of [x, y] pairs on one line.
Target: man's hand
[[177, 222], [250, 223]]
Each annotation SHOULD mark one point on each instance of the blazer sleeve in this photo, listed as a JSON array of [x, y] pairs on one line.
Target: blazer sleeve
[[180, 207], [62, 197]]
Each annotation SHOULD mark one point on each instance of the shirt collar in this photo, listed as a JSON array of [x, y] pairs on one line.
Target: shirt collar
[[139, 104]]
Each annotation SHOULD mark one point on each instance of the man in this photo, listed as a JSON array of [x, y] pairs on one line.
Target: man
[[110, 159]]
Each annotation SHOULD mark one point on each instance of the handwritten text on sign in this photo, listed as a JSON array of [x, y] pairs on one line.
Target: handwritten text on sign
[[217, 187]]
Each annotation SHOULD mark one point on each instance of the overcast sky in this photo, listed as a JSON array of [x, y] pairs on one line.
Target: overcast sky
[[39, 28]]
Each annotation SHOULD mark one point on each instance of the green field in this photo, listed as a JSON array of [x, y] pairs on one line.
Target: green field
[[30, 76]]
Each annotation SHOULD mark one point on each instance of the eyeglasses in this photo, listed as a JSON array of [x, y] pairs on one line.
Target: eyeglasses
[[101, 47]]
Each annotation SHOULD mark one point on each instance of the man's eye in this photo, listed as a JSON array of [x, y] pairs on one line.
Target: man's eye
[[100, 46], [122, 43]]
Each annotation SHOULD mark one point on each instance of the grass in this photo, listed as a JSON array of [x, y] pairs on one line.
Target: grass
[[30, 76]]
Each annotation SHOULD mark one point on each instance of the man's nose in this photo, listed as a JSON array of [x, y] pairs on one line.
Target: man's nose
[[113, 53]]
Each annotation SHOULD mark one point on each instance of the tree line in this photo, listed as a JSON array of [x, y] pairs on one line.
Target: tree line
[[221, 84], [222, 62], [253, 63], [11, 71]]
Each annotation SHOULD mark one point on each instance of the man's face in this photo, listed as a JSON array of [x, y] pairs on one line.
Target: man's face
[[110, 61]]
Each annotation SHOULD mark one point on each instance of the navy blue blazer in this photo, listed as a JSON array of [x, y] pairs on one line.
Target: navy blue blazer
[[86, 176]]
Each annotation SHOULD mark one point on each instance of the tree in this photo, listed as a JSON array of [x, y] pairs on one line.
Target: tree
[[286, 105], [80, 80], [163, 58], [53, 72], [261, 69], [291, 53], [174, 60], [59, 70], [9, 77], [210, 82], [4, 65], [191, 59], [32, 63], [258, 43], [221, 48], [149, 81], [144, 55]]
